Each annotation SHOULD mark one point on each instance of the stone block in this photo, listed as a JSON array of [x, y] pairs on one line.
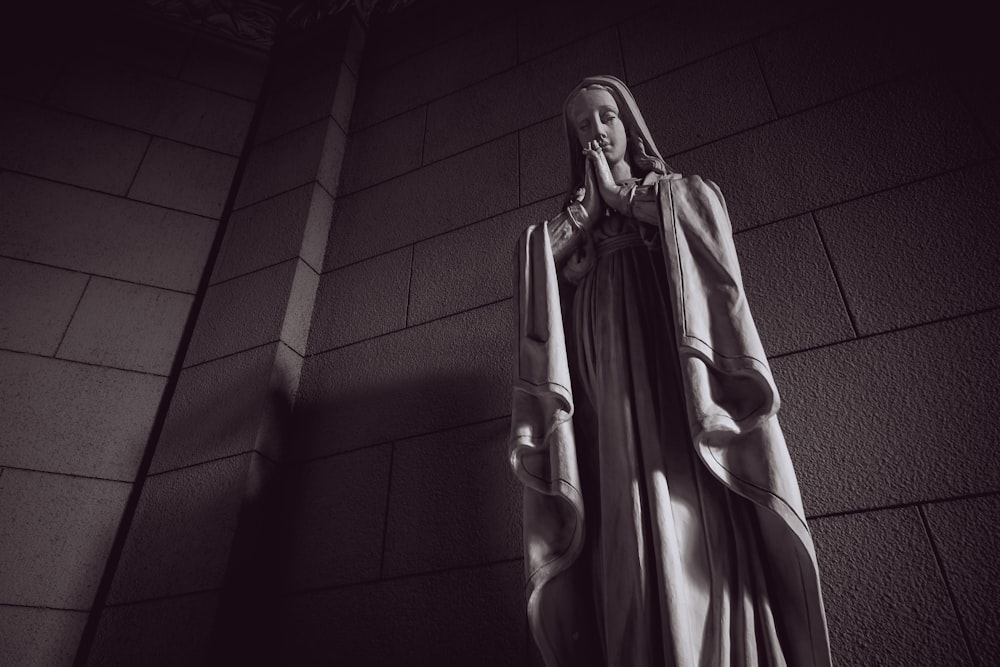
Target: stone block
[[385, 150], [361, 301], [300, 103], [335, 43], [150, 103], [68, 148], [127, 326], [442, 374], [895, 418], [920, 252], [705, 101], [343, 98], [791, 287], [545, 26], [331, 158], [839, 51], [161, 633], [886, 603], [317, 230], [868, 142], [181, 536], [283, 164], [36, 637], [70, 418], [465, 617], [242, 313], [56, 532], [218, 410], [543, 160], [411, 31], [155, 47], [265, 234], [975, 84], [464, 189], [666, 38], [336, 519], [435, 73], [453, 502], [965, 535], [516, 98], [471, 266], [39, 67], [298, 314], [38, 302], [85, 231], [185, 178], [227, 68]]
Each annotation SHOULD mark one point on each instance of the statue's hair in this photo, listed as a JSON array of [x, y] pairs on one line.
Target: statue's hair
[[636, 154]]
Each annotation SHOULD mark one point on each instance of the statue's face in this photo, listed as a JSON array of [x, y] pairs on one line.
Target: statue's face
[[594, 114]]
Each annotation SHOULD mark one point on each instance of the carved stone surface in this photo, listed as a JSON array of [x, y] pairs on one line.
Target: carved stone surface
[[255, 22], [308, 12], [250, 21]]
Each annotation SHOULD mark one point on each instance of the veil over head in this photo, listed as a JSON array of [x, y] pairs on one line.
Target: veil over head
[[628, 110]]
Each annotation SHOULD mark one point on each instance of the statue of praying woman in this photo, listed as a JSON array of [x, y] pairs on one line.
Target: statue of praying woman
[[662, 519]]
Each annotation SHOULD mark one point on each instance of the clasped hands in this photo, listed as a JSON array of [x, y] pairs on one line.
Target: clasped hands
[[599, 187]]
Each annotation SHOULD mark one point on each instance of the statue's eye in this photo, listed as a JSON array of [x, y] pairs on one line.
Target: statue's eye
[[609, 116]]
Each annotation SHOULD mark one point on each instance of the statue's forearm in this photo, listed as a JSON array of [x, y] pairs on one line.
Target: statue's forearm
[[566, 231]]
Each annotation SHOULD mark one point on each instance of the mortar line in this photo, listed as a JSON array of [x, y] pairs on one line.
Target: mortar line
[[975, 164], [907, 327], [72, 317], [72, 475], [45, 607], [901, 505], [95, 275], [49, 106], [138, 167], [81, 362], [401, 577], [939, 561], [763, 77], [231, 354], [284, 133], [397, 441], [409, 286], [217, 459], [836, 274], [385, 515], [411, 326], [112, 195], [259, 269]]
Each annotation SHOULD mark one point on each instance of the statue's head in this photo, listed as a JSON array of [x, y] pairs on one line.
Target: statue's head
[[602, 108]]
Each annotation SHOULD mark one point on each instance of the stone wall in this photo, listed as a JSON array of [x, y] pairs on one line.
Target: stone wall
[[117, 155], [858, 155], [222, 297]]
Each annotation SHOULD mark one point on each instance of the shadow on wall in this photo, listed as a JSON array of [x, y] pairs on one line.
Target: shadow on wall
[[365, 558]]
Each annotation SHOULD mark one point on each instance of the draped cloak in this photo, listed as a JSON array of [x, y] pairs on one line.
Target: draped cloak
[[730, 401]]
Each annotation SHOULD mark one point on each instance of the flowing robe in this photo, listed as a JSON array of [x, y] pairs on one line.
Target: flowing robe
[[662, 519]]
